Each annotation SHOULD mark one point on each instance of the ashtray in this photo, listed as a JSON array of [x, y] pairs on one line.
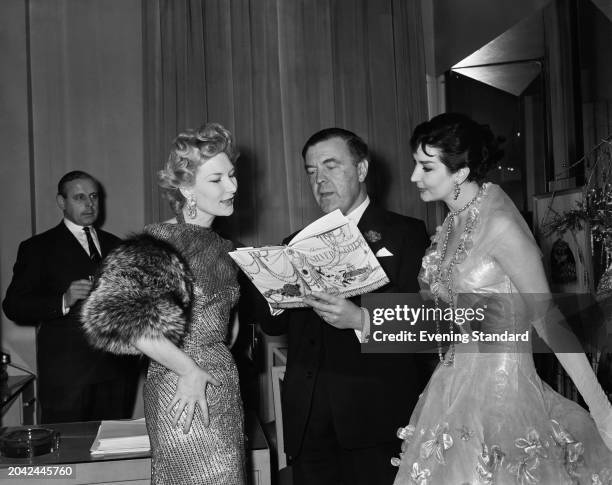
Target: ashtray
[[27, 442]]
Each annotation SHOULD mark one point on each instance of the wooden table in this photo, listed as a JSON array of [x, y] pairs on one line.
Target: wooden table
[[134, 469]]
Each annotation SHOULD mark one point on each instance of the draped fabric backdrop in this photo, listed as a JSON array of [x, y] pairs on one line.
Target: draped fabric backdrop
[[274, 72], [71, 99]]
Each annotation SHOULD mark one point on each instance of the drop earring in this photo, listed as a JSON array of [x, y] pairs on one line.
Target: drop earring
[[192, 210], [457, 191]]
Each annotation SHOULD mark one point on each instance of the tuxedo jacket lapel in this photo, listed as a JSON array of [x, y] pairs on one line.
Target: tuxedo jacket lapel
[[370, 224]]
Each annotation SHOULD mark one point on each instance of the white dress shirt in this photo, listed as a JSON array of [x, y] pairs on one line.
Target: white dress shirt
[[355, 215], [78, 232]]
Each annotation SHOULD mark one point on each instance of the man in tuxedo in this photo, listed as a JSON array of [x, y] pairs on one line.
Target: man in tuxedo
[[51, 277], [342, 408]]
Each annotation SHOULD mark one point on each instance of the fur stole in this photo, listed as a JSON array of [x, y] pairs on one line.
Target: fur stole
[[143, 288]]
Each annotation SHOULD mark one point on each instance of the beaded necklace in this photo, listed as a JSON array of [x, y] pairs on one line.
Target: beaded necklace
[[437, 277]]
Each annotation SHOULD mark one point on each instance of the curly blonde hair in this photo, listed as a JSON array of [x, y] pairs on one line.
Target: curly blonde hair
[[190, 150]]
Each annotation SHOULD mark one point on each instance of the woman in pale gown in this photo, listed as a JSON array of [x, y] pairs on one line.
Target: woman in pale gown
[[485, 416], [169, 294]]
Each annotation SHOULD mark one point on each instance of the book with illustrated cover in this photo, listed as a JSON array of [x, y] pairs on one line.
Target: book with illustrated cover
[[330, 255]]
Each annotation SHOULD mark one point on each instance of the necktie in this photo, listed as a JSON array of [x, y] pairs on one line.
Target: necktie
[[94, 255]]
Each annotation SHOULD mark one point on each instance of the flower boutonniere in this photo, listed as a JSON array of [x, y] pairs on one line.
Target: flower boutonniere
[[372, 236]]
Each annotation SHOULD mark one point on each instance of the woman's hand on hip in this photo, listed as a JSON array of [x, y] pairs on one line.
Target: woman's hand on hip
[[191, 392]]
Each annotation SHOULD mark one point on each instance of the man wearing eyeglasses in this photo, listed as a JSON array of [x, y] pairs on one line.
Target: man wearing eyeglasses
[[52, 275]]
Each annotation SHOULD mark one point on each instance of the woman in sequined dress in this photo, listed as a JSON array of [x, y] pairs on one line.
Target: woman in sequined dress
[[485, 416], [193, 407]]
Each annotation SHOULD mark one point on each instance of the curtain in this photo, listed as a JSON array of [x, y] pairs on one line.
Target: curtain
[[84, 88], [274, 72], [71, 99]]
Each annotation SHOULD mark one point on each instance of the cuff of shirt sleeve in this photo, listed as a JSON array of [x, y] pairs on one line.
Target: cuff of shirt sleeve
[[65, 308], [275, 311], [364, 335]]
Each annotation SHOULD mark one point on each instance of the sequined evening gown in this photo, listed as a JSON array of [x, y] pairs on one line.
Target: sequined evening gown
[[206, 455], [489, 418]]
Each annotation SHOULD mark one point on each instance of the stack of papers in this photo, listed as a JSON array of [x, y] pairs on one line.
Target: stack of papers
[[127, 436]]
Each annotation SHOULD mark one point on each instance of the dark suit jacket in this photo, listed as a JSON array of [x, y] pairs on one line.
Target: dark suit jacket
[[46, 265], [371, 394]]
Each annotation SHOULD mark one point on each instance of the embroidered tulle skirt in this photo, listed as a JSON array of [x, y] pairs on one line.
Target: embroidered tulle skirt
[[489, 419]]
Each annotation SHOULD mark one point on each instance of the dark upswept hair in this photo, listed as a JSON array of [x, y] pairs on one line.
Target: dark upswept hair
[[74, 175], [191, 148], [356, 145], [462, 143]]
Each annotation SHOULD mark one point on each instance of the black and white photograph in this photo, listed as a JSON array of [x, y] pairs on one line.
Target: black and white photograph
[[306, 242]]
